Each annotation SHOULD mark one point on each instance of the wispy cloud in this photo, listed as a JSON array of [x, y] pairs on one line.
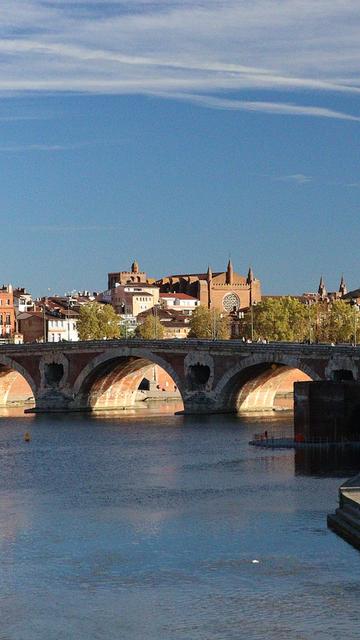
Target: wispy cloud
[[70, 228], [296, 178], [193, 46], [280, 108], [19, 118], [28, 148]]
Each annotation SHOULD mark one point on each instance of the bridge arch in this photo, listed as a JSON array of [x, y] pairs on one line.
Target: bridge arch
[[112, 379], [16, 383], [254, 383]]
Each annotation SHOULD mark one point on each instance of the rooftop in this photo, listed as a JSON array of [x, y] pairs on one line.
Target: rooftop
[[180, 296]]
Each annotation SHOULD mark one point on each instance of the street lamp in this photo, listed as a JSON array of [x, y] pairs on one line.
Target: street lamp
[[68, 323], [69, 295], [155, 321], [213, 324], [44, 317], [308, 304], [252, 305], [44, 322]]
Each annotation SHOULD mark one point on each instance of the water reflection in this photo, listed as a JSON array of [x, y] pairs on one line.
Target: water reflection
[[336, 461], [145, 527]]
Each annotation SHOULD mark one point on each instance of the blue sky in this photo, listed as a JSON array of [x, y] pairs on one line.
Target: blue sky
[[179, 133]]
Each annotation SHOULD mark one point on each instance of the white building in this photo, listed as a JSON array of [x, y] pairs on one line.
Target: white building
[[179, 302], [129, 323], [59, 329], [22, 301]]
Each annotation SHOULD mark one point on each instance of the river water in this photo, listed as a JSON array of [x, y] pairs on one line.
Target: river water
[[146, 527]]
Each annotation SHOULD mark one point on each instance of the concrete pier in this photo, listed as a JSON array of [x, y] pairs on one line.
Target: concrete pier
[[327, 410], [346, 519]]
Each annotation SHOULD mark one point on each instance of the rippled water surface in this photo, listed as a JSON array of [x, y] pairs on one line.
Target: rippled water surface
[[146, 527]]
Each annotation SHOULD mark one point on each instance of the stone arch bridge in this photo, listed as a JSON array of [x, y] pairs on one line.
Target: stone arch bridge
[[211, 376]]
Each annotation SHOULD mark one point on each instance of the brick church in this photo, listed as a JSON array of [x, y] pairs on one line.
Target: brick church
[[226, 291]]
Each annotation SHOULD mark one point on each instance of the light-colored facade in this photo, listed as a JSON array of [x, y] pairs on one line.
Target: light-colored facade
[[134, 299], [177, 330], [33, 324], [59, 329], [22, 301], [179, 302], [128, 323]]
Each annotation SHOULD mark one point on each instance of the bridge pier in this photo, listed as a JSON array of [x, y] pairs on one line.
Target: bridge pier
[[52, 401], [327, 410], [202, 403]]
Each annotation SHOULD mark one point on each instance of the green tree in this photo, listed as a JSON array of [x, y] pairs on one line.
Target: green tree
[[150, 329], [209, 324], [337, 322], [290, 320], [97, 322], [279, 319]]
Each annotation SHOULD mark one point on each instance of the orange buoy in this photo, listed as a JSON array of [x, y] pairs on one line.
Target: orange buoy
[[27, 437]]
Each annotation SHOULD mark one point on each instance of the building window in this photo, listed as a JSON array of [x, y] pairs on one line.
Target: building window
[[8, 321], [231, 302]]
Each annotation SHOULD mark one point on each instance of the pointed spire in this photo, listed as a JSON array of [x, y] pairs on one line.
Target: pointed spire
[[250, 276], [322, 289], [209, 273], [342, 287], [229, 273]]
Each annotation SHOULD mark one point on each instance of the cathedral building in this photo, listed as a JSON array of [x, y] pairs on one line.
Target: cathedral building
[[226, 291]]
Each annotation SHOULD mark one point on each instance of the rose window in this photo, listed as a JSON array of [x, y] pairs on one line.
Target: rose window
[[231, 302]]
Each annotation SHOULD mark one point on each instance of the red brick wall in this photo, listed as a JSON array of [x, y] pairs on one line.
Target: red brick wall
[[13, 388], [7, 313]]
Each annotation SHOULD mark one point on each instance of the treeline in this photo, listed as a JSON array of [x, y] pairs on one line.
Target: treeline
[[273, 319], [282, 319], [290, 320]]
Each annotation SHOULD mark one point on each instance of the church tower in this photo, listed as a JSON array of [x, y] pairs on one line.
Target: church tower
[[342, 287]]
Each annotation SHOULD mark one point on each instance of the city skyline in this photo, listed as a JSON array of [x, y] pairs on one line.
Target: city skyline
[[69, 291], [180, 133]]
